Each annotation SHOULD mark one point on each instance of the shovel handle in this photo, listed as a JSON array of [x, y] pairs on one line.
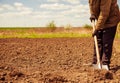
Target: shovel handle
[[93, 25], [96, 46]]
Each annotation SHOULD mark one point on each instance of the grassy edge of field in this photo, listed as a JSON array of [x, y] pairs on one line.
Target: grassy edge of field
[[25, 33], [33, 33], [44, 35]]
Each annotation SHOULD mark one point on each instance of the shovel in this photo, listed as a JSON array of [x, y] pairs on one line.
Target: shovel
[[98, 65]]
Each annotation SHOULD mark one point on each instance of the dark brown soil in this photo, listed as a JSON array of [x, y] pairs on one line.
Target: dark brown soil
[[56, 60]]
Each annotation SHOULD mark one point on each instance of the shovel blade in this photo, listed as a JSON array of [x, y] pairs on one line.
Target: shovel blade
[[96, 66]]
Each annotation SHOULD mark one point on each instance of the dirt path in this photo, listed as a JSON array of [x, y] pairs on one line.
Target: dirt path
[[57, 60]]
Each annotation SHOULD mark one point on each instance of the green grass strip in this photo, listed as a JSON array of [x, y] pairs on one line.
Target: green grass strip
[[43, 35]]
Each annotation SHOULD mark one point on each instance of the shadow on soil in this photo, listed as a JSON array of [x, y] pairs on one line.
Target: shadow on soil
[[116, 68]]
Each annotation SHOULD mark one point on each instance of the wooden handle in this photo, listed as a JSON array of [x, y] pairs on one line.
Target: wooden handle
[[96, 46], [93, 25]]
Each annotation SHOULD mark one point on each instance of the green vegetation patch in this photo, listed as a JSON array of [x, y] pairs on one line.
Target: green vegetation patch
[[34, 33], [43, 35]]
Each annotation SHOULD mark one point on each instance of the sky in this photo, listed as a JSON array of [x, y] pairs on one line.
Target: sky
[[38, 13]]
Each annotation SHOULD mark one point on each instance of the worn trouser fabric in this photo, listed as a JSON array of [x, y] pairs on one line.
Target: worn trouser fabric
[[105, 38]]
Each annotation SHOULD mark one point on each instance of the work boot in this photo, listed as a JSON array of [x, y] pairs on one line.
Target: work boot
[[106, 67]]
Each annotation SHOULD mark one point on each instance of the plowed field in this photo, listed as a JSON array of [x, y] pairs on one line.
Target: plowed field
[[55, 60]]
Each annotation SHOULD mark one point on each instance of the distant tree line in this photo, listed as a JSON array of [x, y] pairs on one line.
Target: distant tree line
[[51, 25]]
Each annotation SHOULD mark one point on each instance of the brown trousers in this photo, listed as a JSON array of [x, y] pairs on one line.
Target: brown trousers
[[105, 38]]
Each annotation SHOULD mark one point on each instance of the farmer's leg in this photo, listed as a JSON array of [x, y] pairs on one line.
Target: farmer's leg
[[108, 37], [99, 40]]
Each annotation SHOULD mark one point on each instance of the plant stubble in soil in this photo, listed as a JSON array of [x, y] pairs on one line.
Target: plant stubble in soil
[[56, 60]]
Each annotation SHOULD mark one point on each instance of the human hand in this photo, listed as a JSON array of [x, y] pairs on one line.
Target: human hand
[[92, 18]]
